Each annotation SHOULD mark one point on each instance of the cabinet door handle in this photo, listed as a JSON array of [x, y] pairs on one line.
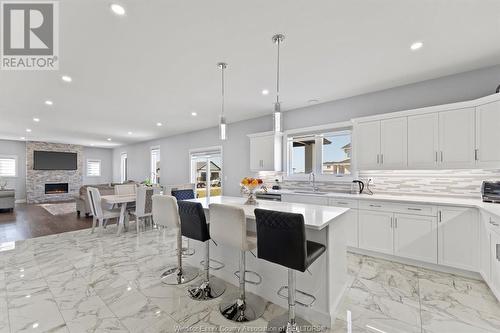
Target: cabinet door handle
[[476, 154], [498, 252], [378, 158], [417, 209], [381, 158], [392, 223], [440, 216], [436, 156], [342, 203], [442, 156], [377, 206], [395, 223]]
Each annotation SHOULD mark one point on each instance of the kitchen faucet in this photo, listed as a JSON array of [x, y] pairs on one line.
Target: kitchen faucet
[[313, 182]]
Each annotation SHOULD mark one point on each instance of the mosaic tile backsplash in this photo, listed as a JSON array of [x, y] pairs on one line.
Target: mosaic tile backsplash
[[456, 183]]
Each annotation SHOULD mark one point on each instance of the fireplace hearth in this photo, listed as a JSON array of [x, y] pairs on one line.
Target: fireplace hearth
[[56, 188]]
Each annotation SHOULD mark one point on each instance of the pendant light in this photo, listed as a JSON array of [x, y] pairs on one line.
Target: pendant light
[[277, 115], [222, 122]]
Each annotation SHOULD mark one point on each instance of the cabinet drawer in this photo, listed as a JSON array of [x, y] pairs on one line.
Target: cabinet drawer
[[348, 203], [415, 209], [385, 206], [492, 222]]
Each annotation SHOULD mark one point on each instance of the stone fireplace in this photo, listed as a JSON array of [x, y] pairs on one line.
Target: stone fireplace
[[52, 185]]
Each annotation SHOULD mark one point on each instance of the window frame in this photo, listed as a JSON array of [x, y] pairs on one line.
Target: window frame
[[152, 172], [16, 165], [87, 167], [318, 132]]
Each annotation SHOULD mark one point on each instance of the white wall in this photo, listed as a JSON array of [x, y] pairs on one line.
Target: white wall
[[175, 166], [16, 148]]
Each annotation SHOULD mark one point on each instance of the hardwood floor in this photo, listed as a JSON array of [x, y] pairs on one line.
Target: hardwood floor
[[29, 221]]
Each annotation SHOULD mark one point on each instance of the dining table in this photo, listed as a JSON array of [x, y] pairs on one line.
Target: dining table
[[122, 201]]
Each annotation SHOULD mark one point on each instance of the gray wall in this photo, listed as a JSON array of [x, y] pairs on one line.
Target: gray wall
[[18, 148], [106, 157], [175, 150]]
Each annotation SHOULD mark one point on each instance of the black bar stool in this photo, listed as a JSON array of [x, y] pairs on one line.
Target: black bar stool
[[180, 195], [281, 239], [194, 226]]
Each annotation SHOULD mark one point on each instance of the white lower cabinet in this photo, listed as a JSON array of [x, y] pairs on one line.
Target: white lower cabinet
[[458, 237], [415, 237], [375, 231], [352, 228], [495, 262], [484, 247]]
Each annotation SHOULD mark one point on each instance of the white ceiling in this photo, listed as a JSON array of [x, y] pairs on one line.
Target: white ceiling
[[158, 63]]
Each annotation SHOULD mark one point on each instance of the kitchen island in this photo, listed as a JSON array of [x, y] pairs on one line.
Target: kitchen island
[[326, 278]]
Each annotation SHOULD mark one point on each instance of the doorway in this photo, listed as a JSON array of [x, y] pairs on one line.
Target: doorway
[[206, 172]]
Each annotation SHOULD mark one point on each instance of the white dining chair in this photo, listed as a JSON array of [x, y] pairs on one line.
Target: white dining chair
[[143, 206], [100, 216], [125, 189]]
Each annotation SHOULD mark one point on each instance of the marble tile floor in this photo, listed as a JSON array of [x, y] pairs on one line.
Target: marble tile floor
[[82, 282]]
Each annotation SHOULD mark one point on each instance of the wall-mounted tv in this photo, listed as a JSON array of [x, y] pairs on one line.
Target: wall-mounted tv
[[54, 160]]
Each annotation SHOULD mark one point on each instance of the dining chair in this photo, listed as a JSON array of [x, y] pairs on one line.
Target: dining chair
[[100, 216], [143, 206], [125, 189]]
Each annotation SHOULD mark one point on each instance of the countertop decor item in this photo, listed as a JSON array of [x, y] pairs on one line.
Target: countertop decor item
[[249, 187], [3, 184]]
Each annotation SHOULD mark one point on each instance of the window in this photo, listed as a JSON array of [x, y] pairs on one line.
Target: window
[[8, 166], [155, 165], [93, 168], [327, 153], [123, 167], [337, 153]]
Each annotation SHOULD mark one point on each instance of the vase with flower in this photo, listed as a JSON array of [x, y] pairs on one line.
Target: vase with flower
[[249, 187]]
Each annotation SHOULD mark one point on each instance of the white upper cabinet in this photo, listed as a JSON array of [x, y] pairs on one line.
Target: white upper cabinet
[[382, 144], [488, 135], [456, 138], [367, 145], [423, 141], [265, 152], [393, 143]]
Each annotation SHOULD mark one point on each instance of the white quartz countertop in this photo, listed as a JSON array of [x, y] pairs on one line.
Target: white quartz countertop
[[491, 208], [315, 216]]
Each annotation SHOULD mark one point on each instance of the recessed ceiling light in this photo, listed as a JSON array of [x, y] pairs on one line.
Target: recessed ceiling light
[[35, 325], [159, 124], [117, 9], [92, 144], [417, 45], [36, 120], [265, 92], [313, 101], [23, 138], [194, 114], [49, 102], [109, 139], [66, 78], [129, 133], [28, 130]]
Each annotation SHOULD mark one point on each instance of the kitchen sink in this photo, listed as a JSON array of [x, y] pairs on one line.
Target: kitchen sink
[[310, 192]]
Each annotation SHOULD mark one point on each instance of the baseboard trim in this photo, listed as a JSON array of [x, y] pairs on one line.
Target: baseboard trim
[[412, 262]]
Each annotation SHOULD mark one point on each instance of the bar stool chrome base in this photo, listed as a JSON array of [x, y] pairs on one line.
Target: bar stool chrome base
[[207, 290], [174, 276], [235, 309], [282, 324]]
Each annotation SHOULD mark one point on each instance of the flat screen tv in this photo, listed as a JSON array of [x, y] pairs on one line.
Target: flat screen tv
[[54, 160]]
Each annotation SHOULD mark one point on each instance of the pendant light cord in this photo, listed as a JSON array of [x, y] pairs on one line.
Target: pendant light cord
[[222, 112]]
